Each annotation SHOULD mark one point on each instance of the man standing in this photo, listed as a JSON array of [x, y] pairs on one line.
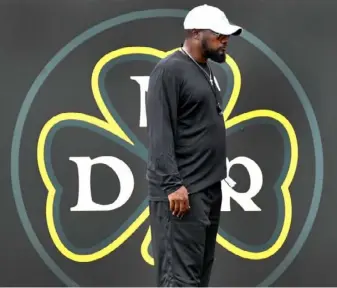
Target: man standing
[[187, 151]]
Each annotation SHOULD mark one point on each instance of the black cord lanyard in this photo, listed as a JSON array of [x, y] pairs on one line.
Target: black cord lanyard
[[210, 81]]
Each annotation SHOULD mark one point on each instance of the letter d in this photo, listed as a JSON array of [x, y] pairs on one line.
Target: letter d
[[84, 166]]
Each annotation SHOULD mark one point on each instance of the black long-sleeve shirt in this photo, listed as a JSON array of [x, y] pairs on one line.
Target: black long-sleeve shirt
[[186, 133]]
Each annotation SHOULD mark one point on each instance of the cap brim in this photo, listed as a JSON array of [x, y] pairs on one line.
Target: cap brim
[[230, 30]]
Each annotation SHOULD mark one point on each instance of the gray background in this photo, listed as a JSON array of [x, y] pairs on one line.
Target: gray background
[[32, 32]]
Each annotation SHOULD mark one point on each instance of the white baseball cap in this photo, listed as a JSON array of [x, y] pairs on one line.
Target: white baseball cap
[[212, 18]]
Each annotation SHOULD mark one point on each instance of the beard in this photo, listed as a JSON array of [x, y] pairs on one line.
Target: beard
[[216, 55]]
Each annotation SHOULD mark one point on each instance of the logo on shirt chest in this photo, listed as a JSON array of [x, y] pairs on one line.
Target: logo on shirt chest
[[261, 169]]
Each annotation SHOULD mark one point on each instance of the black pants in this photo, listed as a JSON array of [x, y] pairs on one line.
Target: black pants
[[183, 249]]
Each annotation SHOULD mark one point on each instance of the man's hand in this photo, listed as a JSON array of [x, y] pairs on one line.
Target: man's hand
[[179, 202]]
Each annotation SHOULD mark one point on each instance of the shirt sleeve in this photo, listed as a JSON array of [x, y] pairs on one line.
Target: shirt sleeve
[[162, 116]]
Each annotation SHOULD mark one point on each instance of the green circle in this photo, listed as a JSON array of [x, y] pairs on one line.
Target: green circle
[[50, 66]]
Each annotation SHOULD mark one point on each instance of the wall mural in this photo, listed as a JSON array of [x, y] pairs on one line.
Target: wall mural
[[78, 146]]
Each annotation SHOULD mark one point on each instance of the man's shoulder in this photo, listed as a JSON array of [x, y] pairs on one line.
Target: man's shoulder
[[172, 63]]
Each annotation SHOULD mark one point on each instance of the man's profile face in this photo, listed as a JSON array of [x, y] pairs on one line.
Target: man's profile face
[[214, 45]]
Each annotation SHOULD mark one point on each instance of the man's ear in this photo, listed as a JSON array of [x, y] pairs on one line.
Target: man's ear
[[196, 34]]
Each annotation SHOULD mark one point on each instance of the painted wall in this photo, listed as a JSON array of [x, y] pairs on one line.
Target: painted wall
[[74, 77]]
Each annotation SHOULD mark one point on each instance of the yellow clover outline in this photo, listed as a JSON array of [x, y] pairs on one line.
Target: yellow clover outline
[[112, 126]]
